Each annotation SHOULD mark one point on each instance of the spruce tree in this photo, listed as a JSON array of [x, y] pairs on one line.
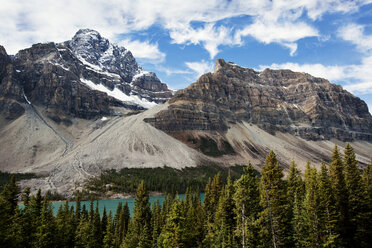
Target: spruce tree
[[225, 217], [355, 192], [341, 194], [140, 231], [273, 200], [366, 220], [173, 233], [295, 194], [45, 235], [328, 215], [247, 207], [311, 208], [108, 240]]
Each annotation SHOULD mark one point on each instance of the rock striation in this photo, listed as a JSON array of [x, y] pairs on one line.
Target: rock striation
[[274, 100], [85, 77]]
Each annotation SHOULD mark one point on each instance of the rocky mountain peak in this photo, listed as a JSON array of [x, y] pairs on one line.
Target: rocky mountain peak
[[274, 100], [86, 77]]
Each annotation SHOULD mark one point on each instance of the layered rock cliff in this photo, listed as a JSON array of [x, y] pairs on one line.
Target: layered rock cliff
[[274, 100]]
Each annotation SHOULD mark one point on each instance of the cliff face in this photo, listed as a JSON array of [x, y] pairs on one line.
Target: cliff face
[[274, 100], [84, 77]]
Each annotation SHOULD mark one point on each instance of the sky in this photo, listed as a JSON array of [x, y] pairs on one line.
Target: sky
[[180, 40]]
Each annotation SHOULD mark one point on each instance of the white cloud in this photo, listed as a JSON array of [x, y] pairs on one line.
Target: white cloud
[[354, 33], [144, 50], [285, 33], [209, 36], [26, 22], [200, 67]]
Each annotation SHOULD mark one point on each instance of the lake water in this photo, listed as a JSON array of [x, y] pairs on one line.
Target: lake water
[[112, 204]]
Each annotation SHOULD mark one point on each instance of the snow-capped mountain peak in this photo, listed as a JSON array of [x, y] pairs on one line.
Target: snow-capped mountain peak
[[101, 56]]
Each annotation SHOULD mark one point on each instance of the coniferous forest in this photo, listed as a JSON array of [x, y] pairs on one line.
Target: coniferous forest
[[328, 207]]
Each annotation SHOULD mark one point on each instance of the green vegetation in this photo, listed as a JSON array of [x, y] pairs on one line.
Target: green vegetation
[[5, 177], [166, 179], [330, 207]]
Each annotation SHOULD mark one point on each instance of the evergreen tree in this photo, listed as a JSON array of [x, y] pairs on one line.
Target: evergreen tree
[[273, 200], [84, 234], [97, 231], [366, 220], [247, 208], [173, 233], [328, 216], [355, 192], [45, 235], [212, 194], [225, 218], [311, 210], [341, 197], [295, 194], [109, 240], [140, 231], [156, 221], [65, 227]]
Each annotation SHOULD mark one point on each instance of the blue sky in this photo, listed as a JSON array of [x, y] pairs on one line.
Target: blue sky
[[180, 40]]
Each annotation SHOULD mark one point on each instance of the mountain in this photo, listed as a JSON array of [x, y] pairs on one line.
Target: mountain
[[85, 77], [274, 100], [73, 109]]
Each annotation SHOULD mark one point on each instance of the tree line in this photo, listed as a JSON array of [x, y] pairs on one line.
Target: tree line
[[330, 207], [164, 179]]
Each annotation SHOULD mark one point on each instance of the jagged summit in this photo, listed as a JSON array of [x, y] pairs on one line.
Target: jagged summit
[[92, 49]]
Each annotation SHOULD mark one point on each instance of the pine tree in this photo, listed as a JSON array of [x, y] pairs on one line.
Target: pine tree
[[273, 200], [355, 192], [328, 215], [45, 235], [8, 209], [366, 220], [212, 194], [341, 197], [173, 233], [140, 231], [156, 221], [295, 185], [247, 208], [108, 240], [311, 210], [97, 231], [295, 194], [65, 227], [84, 234]]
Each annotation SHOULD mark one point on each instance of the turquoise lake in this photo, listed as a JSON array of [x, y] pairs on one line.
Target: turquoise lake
[[112, 204]]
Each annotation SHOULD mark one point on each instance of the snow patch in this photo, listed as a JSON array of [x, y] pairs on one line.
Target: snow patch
[[95, 67], [140, 74], [118, 94], [60, 65], [26, 98]]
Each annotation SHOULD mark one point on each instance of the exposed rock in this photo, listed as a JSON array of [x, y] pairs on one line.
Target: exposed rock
[[85, 77], [274, 100]]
